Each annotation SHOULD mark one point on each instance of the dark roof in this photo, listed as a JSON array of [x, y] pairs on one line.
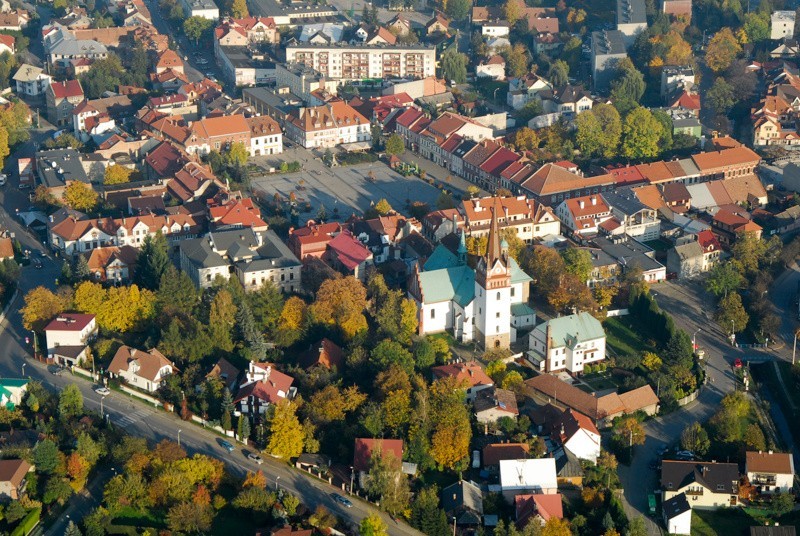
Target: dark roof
[[466, 496], [676, 506], [716, 477], [567, 464], [773, 531], [625, 201]]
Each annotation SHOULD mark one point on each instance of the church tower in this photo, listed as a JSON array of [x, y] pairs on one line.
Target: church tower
[[493, 292]]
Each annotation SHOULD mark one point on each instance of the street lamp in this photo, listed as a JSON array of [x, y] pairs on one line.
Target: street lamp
[[179, 437], [494, 95], [23, 366], [794, 346], [276, 482], [352, 475], [694, 340], [102, 413], [454, 525]]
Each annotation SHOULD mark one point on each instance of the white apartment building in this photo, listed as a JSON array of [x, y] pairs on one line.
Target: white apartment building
[[328, 126], [31, 80], [567, 343], [266, 136], [782, 25], [206, 9], [363, 61]]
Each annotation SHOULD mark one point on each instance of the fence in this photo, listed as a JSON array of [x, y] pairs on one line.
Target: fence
[[617, 312], [689, 398]]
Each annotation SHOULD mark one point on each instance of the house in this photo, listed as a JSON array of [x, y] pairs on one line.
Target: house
[[567, 101], [493, 453], [577, 433], [112, 263], [13, 478], [551, 184], [216, 133], [493, 403], [770, 472], [583, 215], [438, 24], [538, 507], [728, 226], [495, 28], [328, 126], [494, 68], [399, 25], [608, 48], [678, 515], [31, 80], [234, 212], [6, 248], [264, 385], [312, 239], [254, 257], [782, 25], [676, 77], [706, 484], [470, 374], [631, 253], [70, 332], [681, 9], [225, 372], [349, 255], [527, 218], [524, 89], [631, 19], [12, 391], [463, 502], [631, 217], [365, 448], [520, 477], [266, 137], [7, 44], [567, 343], [326, 354], [61, 98], [141, 369]]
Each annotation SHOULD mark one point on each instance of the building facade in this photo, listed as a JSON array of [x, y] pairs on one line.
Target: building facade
[[362, 61]]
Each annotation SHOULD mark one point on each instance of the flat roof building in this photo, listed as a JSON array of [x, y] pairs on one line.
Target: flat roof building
[[608, 48], [631, 19]]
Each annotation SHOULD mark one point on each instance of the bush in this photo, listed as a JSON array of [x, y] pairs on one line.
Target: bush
[[27, 524]]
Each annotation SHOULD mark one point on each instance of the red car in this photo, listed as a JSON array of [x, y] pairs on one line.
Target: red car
[[737, 363]]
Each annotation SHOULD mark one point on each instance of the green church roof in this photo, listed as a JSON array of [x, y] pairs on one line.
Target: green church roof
[[572, 329]]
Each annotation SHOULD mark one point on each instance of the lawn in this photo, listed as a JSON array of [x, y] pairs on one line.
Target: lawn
[[623, 336], [600, 381], [723, 522], [131, 517]]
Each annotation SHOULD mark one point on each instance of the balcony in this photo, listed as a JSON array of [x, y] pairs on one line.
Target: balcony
[[697, 492]]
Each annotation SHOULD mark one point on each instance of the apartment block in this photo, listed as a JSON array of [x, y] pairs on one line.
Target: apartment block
[[363, 61]]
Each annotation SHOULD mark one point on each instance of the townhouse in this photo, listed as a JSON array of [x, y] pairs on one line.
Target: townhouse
[[217, 134], [705, 484], [525, 217], [567, 343], [31, 80], [62, 98], [328, 125], [583, 215]]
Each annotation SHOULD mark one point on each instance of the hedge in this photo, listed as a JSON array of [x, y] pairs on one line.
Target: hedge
[[28, 523]]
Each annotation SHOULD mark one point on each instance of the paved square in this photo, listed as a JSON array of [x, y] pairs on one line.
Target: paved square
[[347, 188]]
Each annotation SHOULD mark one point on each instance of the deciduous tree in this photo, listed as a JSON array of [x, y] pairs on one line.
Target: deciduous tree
[[395, 145], [722, 49], [195, 27], [70, 402], [372, 525], [77, 195], [117, 174], [640, 135], [694, 438], [286, 432], [41, 306], [341, 302], [731, 314], [454, 64]]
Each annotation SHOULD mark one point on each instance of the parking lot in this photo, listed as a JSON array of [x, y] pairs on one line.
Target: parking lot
[[347, 189]]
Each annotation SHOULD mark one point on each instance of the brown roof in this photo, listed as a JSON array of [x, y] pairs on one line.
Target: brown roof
[[326, 354], [550, 179], [743, 188], [150, 362], [6, 248], [13, 471], [492, 454], [638, 398], [769, 462], [470, 372], [649, 195], [724, 158], [224, 370], [99, 258], [496, 398], [656, 171], [213, 127]]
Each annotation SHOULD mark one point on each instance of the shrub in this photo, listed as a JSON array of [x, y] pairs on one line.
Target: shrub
[[27, 524]]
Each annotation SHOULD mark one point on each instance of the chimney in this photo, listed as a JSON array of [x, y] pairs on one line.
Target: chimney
[[770, 453], [594, 200], [581, 203]]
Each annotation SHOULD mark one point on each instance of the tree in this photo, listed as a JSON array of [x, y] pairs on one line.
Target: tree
[[372, 525], [104, 75], [651, 361], [395, 145], [226, 407], [458, 9], [72, 529], [754, 438], [152, 262], [628, 431], [116, 174], [556, 526], [517, 58], [190, 517], [389, 352], [382, 207], [724, 278], [286, 432], [578, 262], [588, 134], [640, 135], [237, 153], [196, 27], [387, 482], [221, 318], [70, 402], [694, 438], [526, 139], [558, 73], [454, 66], [41, 306], [341, 302], [46, 456], [4, 147], [731, 315], [720, 97], [80, 196], [451, 430], [756, 27], [722, 49], [512, 11], [628, 87], [239, 9], [89, 449], [782, 503]]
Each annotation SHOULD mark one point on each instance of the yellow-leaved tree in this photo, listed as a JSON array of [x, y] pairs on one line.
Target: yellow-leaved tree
[[80, 196], [341, 302], [286, 435], [41, 306], [117, 174]]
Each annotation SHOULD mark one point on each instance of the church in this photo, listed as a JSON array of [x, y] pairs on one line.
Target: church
[[487, 304]]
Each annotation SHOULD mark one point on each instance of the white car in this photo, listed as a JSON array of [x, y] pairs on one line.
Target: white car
[[104, 391]]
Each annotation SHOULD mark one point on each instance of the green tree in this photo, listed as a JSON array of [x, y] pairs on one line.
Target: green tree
[[724, 278], [15, 511], [589, 133], [756, 26], [426, 515], [578, 262], [694, 438], [373, 525], [640, 135], [286, 432], [196, 27], [239, 9], [237, 154], [454, 65], [754, 438], [517, 58], [458, 9], [70, 402], [558, 73], [72, 529], [628, 87], [387, 482], [389, 352], [152, 261], [190, 517], [720, 97], [731, 315], [77, 195], [46, 456], [226, 407], [636, 527], [221, 318], [782, 503], [89, 449], [395, 145]]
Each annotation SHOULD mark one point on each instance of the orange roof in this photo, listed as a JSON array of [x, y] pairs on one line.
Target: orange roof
[[216, 127], [169, 58], [238, 212], [656, 171], [650, 196], [550, 179], [470, 372], [6, 248], [149, 362], [725, 158], [8, 40]]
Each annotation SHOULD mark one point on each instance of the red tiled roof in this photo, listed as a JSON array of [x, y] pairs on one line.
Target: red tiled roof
[[67, 89], [471, 373], [326, 353], [69, 322], [349, 250], [365, 447]]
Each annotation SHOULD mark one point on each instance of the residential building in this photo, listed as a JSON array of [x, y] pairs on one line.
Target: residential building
[[493, 453], [608, 48], [567, 343], [112, 263], [583, 215], [206, 9], [254, 257], [304, 81], [676, 77], [312, 239], [463, 502], [31, 80], [68, 336], [494, 68], [326, 354], [62, 46], [782, 25], [61, 98], [350, 256], [631, 19], [14, 21], [235, 212], [527, 218], [362, 61], [218, 133], [224, 371], [577, 433], [244, 65], [399, 24], [630, 217], [551, 184], [681, 9], [364, 448], [438, 24], [631, 253], [266, 137], [538, 508], [13, 478], [524, 89], [470, 374], [520, 477], [145, 370], [549, 389], [329, 125], [242, 32], [772, 530], [493, 403], [770, 472], [294, 13], [706, 484], [264, 385], [495, 28], [567, 101], [678, 515], [728, 226]]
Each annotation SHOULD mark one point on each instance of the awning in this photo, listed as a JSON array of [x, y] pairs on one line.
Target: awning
[[357, 146]]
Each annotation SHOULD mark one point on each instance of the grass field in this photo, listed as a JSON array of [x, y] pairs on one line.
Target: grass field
[[601, 381], [723, 522], [623, 336]]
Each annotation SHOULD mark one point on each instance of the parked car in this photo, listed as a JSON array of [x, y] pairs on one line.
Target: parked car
[[342, 500], [104, 391], [226, 445], [685, 455], [255, 458], [737, 363]]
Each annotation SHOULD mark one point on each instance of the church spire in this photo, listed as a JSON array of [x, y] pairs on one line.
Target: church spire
[[493, 248], [462, 246]]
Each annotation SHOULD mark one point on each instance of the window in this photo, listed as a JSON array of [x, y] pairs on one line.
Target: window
[[512, 291], [497, 314], [433, 313], [498, 295]]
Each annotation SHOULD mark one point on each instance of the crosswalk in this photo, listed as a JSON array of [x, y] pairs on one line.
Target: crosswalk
[[129, 418]]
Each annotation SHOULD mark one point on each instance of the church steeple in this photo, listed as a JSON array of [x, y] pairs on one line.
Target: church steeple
[[462, 247], [496, 252], [493, 249]]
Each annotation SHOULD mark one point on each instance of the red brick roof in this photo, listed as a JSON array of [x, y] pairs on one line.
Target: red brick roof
[[69, 322], [470, 372], [67, 89], [365, 447]]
